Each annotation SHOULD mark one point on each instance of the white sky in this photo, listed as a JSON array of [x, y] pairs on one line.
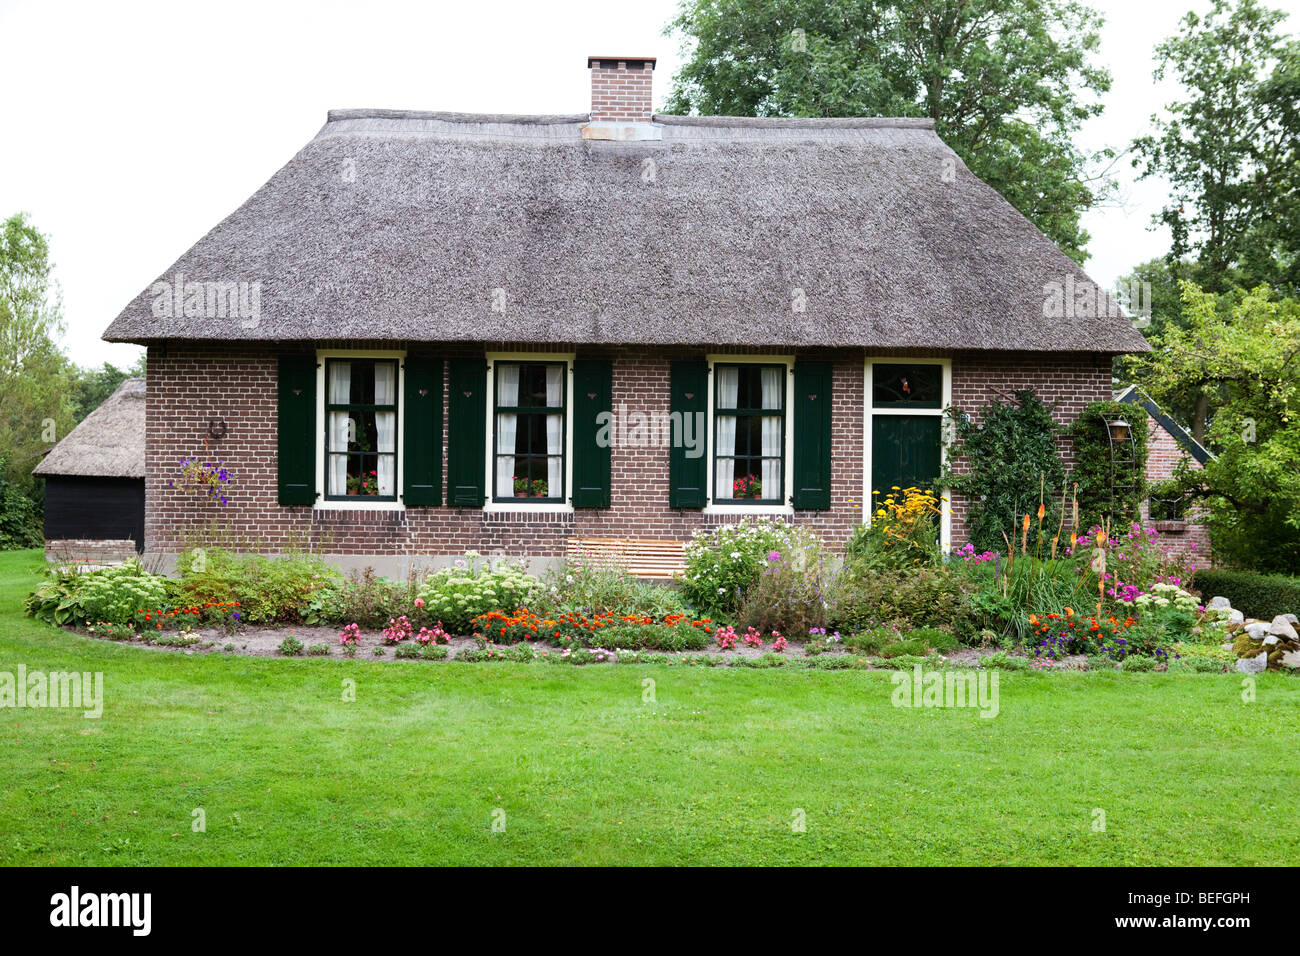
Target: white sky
[[132, 128]]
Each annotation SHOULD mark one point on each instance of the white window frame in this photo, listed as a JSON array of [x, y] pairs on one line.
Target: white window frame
[[322, 504], [489, 464], [717, 508], [869, 412]]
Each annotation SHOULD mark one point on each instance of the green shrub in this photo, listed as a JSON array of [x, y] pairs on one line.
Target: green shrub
[[789, 595], [659, 636], [117, 595], [722, 564], [290, 646], [579, 584], [1256, 595], [1000, 660], [268, 589], [318, 650], [406, 651], [1197, 665], [457, 595], [934, 597], [172, 640], [361, 598], [55, 600], [934, 639], [1138, 662], [1001, 464], [763, 660], [433, 652], [908, 647], [21, 516]]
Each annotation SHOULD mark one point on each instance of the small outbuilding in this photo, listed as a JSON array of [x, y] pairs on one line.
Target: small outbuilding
[[94, 483]]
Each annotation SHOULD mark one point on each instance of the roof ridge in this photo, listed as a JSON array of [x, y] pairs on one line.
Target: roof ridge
[[667, 119]]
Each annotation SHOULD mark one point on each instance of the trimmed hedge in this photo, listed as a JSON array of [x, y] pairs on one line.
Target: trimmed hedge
[[1256, 595]]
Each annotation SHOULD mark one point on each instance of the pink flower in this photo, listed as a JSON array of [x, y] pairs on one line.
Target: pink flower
[[419, 602]]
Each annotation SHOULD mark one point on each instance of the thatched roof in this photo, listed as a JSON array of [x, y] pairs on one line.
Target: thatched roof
[[109, 442], [402, 226]]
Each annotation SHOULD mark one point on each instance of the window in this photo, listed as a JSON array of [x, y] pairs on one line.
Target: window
[[907, 386], [749, 434], [528, 422], [361, 429]]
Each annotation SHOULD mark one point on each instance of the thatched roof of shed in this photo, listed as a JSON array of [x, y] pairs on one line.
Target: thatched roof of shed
[[109, 442], [411, 226]]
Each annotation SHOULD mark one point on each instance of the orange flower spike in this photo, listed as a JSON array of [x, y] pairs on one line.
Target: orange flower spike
[[1025, 524], [1041, 511]]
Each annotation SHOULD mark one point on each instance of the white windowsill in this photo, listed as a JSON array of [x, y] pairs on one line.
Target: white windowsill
[[717, 509]]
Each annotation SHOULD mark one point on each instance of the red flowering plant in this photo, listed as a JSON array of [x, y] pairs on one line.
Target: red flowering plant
[[748, 487], [1055, 636]]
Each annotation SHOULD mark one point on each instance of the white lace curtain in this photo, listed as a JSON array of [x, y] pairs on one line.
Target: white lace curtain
[[507, 428], [340, 426], [554, 429], [728, 395], [386, 427], [771, 477]]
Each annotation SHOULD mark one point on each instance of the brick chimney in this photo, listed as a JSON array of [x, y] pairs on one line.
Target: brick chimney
[[620, 88]]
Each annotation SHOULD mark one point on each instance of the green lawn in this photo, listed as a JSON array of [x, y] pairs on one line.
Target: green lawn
[[585, 772]]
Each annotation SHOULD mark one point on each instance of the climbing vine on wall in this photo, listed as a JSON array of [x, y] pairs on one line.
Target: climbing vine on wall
[[1000, 465], [1109, 487]]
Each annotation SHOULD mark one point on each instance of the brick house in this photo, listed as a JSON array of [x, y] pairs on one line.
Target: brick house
[[1181, 526], [436, 332]]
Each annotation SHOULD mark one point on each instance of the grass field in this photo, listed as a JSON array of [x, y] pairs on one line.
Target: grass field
[[417, 768]]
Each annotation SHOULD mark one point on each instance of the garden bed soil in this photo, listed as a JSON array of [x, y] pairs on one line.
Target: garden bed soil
[[265, 642]]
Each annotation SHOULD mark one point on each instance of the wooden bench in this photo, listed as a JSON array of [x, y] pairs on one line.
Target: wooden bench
[[643, 558]]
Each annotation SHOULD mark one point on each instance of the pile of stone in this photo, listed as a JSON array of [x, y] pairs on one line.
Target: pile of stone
[[1261, 644]]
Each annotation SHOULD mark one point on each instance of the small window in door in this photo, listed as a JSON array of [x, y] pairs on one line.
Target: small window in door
[[907, 386]]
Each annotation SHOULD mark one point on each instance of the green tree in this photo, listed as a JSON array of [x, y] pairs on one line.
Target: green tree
[[1004, 81], [1230, 149], [35, 408], [91, 386], [1245, 364]]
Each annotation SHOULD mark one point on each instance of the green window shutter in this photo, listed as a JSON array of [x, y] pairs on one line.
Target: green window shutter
[[688, 403], [296, 430], [466, 432], [812, 435], [593, 394], [422, 431]]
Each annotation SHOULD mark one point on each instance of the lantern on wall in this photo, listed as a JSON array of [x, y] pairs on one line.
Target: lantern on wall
[[1123, 461]]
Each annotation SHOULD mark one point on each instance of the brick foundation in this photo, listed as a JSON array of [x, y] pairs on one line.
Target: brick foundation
[[87, 551]]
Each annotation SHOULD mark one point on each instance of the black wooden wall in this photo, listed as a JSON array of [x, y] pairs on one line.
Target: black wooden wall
[[94, 508]]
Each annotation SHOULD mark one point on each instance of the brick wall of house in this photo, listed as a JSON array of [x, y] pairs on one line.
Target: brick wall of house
[[1190, 538], [1066, 383], [192, 386]]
